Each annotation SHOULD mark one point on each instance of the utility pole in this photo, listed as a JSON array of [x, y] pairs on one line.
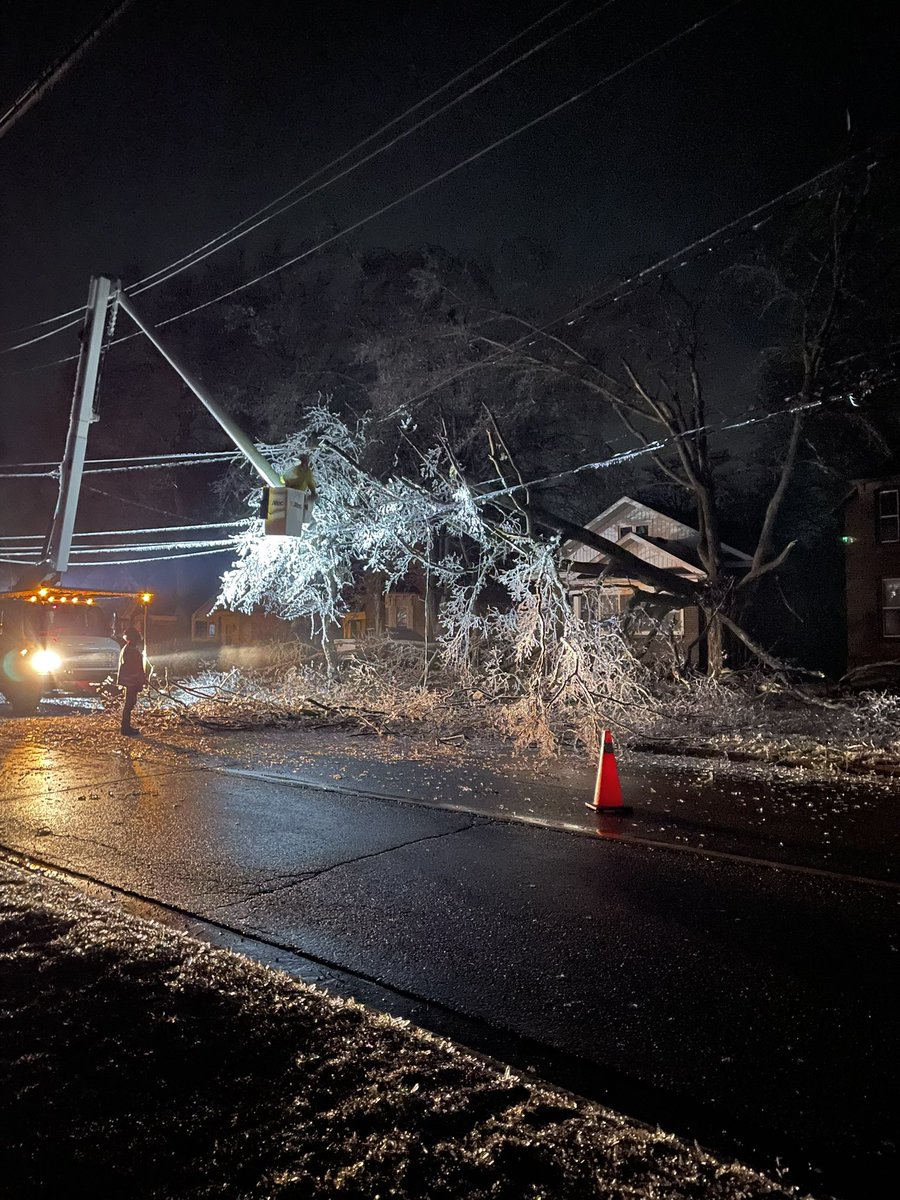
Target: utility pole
[[55, 557], [104, 298]]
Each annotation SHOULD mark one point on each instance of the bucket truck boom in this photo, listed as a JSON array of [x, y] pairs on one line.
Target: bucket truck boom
[[104, 298]]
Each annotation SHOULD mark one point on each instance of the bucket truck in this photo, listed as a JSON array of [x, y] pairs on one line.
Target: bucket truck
[[54, 638]]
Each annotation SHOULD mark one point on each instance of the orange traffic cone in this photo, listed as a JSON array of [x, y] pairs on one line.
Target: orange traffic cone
[[608, 790]]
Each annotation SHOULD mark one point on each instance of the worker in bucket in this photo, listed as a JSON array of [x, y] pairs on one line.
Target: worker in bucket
[[300, 477], [132, 675]]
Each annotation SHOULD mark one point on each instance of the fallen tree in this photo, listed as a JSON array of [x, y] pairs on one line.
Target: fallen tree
[[507, 629]]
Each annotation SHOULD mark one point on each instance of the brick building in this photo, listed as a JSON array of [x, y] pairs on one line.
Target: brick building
[[872, 541]]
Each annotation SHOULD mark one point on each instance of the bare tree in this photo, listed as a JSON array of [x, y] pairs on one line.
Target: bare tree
[[646, 368]]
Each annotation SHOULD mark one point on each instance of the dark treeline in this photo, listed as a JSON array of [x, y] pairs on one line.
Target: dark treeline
[[791, 327]]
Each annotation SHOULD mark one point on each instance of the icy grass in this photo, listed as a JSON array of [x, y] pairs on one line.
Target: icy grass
[[138, 1062], [386, 689]]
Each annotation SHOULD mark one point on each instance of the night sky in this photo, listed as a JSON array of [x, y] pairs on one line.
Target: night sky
[[184, 118]]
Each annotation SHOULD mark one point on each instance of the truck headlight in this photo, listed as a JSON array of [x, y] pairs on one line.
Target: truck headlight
[[45, 662]]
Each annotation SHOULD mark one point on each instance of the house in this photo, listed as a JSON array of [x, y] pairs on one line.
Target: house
[[398, 613], [661, 541], [211, 626], [872, 542], [402, 619], [158, 622]]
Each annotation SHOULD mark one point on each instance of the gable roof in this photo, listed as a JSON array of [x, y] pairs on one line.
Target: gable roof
[[676, 556], [685, 536], [668, 556]]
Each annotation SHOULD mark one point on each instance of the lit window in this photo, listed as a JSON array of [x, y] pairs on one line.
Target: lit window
[[888, 506], [890, 608], [211, 630]]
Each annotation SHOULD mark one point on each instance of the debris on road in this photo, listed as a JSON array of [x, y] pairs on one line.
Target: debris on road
[[743, 720]]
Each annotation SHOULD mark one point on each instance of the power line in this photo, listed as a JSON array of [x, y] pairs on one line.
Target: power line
[[51, 75], [435, 179], [41, 337], [32, 474], [626, 287], [189, 544], [128, 561], [673, 261], [377, 133], [654, 447], [167, 528], [163, 512], [189, 457], [49, 321], [132, 547], [202, 253], [544, 116], [154, 466], [321, 170], [151, 466], [36, 537]]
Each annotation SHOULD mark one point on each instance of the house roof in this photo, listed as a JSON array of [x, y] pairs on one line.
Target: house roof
[[680, 548], [682, 557], [206, 609], [691, 554], [676, 557]]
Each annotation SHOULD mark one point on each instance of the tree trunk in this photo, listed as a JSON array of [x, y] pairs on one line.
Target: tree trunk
[[432, 608], [375, 592], [714, 650]]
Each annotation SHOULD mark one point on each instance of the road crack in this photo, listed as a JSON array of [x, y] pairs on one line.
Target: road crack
[[46, 832], [301, 877]]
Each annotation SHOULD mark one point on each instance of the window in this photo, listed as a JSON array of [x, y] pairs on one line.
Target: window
[[211, 629], [623, 529], [354, 625], [602, 604], [651, 622], [640, 530], [70, 621], [890, 608], [887, 503]]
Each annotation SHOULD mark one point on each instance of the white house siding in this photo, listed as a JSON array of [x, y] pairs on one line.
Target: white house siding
[[656, 557], [658, 526]]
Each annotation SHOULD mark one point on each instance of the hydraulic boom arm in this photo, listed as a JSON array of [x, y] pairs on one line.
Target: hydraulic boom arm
[[103, 298]]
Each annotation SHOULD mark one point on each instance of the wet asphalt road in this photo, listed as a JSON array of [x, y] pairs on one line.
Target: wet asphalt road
[[763, 999]]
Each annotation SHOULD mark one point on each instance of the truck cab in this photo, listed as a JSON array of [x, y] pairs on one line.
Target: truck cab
[[56, 640]]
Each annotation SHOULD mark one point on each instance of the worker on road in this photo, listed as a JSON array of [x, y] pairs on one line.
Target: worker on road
[[132, 675]]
